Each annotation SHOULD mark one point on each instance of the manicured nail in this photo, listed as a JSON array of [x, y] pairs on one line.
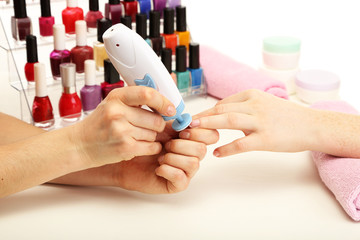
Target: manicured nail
[[195, 123], [184, 135], [161, 159], [216, 153], [171, 111]]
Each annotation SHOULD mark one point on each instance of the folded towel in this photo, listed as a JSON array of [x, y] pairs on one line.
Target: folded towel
[[340, 175], [224, 76]]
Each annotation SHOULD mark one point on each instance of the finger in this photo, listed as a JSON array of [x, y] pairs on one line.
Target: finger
[[139, 95], [144, 148], [187, 148], [145, 119], [141, 134], [177, 179], [241, 96], [241, 107], [245, 144], [190, 165], [207, 136]]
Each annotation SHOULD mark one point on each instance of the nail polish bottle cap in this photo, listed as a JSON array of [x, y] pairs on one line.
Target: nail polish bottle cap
[[181, 58], [154, 24], [111, 75], [59, 36], [114, 2], [129, 0], [90, 73], [40, 80], [68, 74], [127, 21], [45, 8], [102, 25], [169, 20], [141, 27], [31, 49], [94, 5], [72, 3], [80, 30], [20, 9], [194, 55], [166, 58], [181, 18]]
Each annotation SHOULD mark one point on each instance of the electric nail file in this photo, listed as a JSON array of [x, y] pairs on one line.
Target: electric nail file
[[138, 64]]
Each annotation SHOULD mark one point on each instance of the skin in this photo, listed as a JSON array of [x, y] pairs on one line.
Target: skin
[[274, 124], [119, 144]]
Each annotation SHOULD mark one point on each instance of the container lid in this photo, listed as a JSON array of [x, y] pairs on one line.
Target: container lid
[[90, 72], [127, 21], [194, 56], [59, 36], [71, 3], [80, 30], [45, 8], [68, 74], [114, 2], [111, 75], [31, 49], [181, 18], [166, 58], [154, 24], [169, 15], [317, 80], [94, 5], [281, 44], [40, 80], [141, 27], [20, 9], [181, 58], [102, 25]]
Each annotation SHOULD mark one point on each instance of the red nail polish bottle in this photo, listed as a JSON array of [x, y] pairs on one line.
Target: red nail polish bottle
[[131, 8], [171, 39], [46, 21], [20, 23], [81, 51], [114, 11], [69, 103], [156, 39], [60, 54], [42, 110], [70, 15], [112, 79], [32, 57], [93, 15]]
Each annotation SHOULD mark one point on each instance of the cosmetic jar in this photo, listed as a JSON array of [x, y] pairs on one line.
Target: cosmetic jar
[[281, 53], [317, 85]]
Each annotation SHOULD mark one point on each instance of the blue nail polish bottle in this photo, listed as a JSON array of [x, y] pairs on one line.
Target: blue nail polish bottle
[[197, 76]]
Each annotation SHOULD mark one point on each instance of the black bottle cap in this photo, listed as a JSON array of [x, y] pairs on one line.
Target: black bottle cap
[[127, 21], [181, 18], [94, 5], [111, 75], [129, 0], [102, 25], [194, 55], [141, 27], [169, 15], [166, 58], [45, 8], [114, 2], [31, 49], [154, 24], [20, 9], [181, 58]]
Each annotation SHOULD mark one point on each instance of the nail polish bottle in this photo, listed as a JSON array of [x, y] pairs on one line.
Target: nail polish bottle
[[141, 27], [81, 51], [20, 22], [114, 11], [131, 8], [156, 39], [69, 103], [197, 76], [59, 54], [182, 74], [183, 34], [166, 58], [91, 93], [159, 6], [170, 38], [145, 6], [99, 49], [127, 21], [70, 15], [42, 110], [46, 21], [112, 79], [32, 57], [93, 15], [173, 3]]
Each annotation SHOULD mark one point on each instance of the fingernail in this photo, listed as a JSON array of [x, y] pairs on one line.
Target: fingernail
[[184, 135], [216, 153], [171, 111], [161, 159], [195, 123]]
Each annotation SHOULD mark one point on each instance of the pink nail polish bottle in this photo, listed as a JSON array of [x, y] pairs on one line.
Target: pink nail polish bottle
[[93, 15], [59, 54], [46, 21]]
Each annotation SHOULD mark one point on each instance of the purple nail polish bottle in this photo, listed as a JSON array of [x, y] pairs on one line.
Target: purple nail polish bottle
[[159, 5], [174, 3]]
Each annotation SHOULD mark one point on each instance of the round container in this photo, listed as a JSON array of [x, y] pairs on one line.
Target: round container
[[281, 53], [285, 76], [317, 85]]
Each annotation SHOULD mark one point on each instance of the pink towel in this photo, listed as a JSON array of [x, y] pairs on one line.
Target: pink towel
[[224, 76], [340, 175]]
